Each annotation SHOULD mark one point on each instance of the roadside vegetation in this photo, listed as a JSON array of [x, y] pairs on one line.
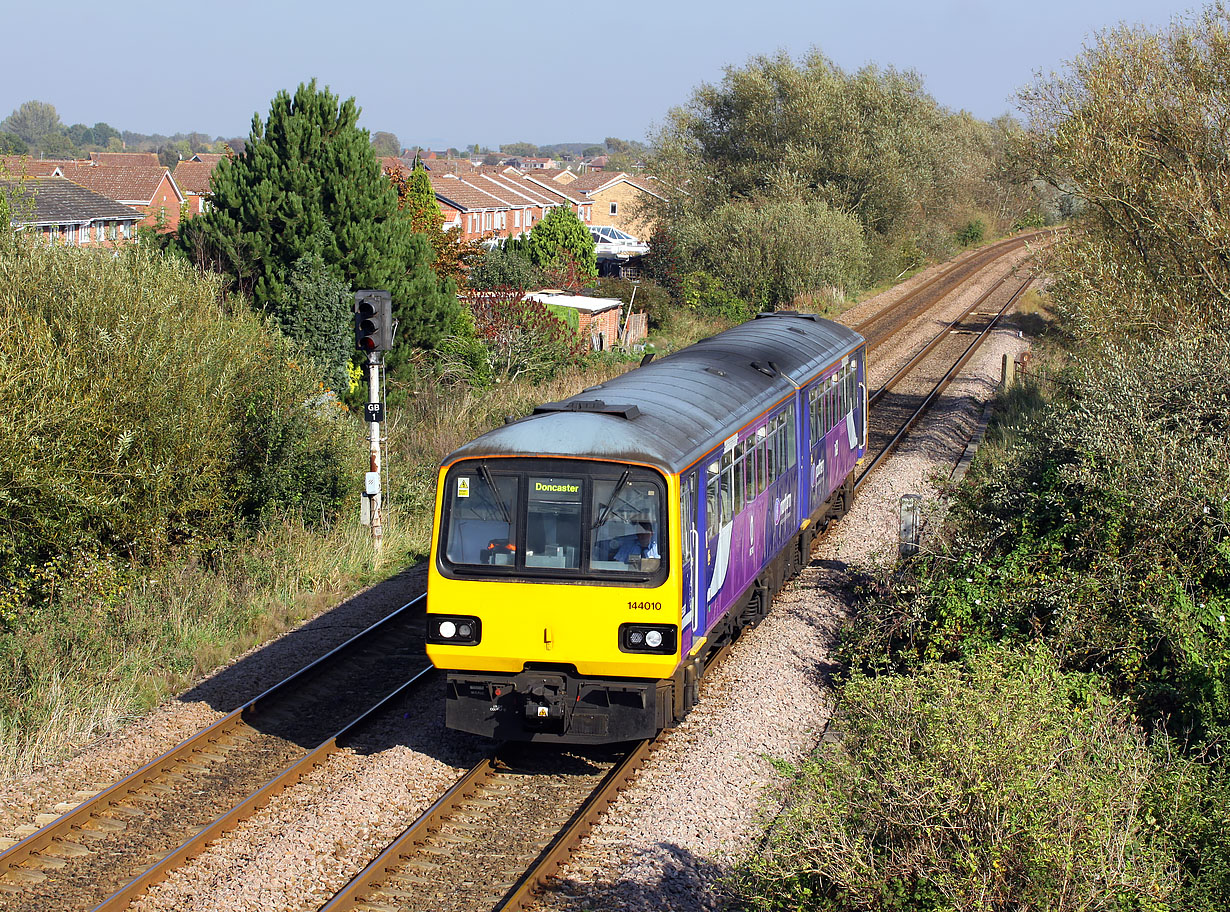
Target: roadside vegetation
[[1037, 707]]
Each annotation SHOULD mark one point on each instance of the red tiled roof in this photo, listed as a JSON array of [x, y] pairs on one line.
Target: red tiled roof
[[135, 184], [24, 166], [462, 194], [194, 176], [124, 158], [209, 158]]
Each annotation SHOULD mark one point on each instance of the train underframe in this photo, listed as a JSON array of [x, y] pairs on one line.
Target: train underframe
[[555, 704]]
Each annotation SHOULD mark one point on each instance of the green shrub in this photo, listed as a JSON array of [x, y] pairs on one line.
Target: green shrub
[[522, 337], [503, 267], [707, 294], [127, 373], [971, 233], [651, 298], [1103, 530], [1000, 784]]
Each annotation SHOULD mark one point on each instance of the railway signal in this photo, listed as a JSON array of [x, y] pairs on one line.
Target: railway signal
[[373, 321]]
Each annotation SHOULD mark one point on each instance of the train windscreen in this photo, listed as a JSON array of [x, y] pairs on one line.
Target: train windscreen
[[553, 518]]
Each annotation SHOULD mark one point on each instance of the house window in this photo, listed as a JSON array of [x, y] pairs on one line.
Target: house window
[[614, 208], [111, 231]]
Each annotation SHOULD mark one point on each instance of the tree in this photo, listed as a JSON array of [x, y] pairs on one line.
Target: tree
[[317, 315], [309, 183], [33, 121], [1138, 129], [453, 255], [520, 149], [560, 235], [386, 143], [12, 144]]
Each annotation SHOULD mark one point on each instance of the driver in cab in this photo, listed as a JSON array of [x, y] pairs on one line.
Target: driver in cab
[[633, 548]]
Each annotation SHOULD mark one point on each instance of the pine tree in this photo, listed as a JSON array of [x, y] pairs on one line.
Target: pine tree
[[308, 183]]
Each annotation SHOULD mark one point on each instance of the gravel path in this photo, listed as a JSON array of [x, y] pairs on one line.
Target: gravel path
[[662, 845]]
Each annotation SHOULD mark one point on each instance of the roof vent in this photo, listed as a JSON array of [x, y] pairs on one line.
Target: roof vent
[[769, 370], [715, 370], [815, 318], [590, 405]]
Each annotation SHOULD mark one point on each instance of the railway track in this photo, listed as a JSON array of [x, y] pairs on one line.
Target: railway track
[[894, 419], [115, 845], [496, 835], [880, 327]]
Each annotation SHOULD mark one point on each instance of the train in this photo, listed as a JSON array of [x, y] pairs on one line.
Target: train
[[590, 559]]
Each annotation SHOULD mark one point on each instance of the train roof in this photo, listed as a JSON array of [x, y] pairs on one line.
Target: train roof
[[673, 410]]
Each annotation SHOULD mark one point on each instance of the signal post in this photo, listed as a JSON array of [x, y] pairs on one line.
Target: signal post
[[373, 333]]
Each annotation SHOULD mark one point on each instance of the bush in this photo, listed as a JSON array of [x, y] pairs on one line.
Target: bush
[[1103, 530], [501, 267], [706, 294], [1000, 784], [651, 298], [521, 337], [130, 371], [971, 233]]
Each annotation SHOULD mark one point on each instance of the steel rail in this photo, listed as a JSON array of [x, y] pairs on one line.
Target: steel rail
[[930, 346], [975, 262], [941, 385], [560, 849], [181, 757], [159, 871], [390, 860]]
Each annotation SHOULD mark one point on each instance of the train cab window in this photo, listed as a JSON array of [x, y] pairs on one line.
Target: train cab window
[[553, 522], [627, 525], [482, 511]]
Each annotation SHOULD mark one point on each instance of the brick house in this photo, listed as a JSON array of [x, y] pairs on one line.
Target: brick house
[[498, 202], [616, 197], [149, 189], [194, 178], [63, 212]]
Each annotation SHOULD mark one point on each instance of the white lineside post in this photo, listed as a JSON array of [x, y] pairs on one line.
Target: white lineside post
[[373, 397]]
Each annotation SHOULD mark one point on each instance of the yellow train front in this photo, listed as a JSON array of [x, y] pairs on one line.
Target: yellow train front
[[589, 559]]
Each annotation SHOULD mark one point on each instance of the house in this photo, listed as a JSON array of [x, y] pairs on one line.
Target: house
[[194, 177], [536, 164], [63, 212], [125, 158], [498, 202], [617, 197], [24, 166], [601, 319], [149, 189]]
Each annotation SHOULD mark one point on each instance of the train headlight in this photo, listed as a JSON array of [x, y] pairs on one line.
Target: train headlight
[[454, 630], [660, 639]]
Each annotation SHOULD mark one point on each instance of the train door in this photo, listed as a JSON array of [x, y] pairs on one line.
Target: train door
[[719, 524], [818, 420], [693, 606]]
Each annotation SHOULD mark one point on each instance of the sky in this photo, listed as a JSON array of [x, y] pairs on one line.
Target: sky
[[452, 73]]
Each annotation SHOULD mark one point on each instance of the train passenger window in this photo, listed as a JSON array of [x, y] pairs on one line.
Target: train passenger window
[[791, 455], [713, 509], [749, 471], [728, 486], [761, 462], [553, 527], [740, 486], [482, 510]]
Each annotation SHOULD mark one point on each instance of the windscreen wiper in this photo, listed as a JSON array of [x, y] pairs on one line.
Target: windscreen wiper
[[482, 470], [610, 504]]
